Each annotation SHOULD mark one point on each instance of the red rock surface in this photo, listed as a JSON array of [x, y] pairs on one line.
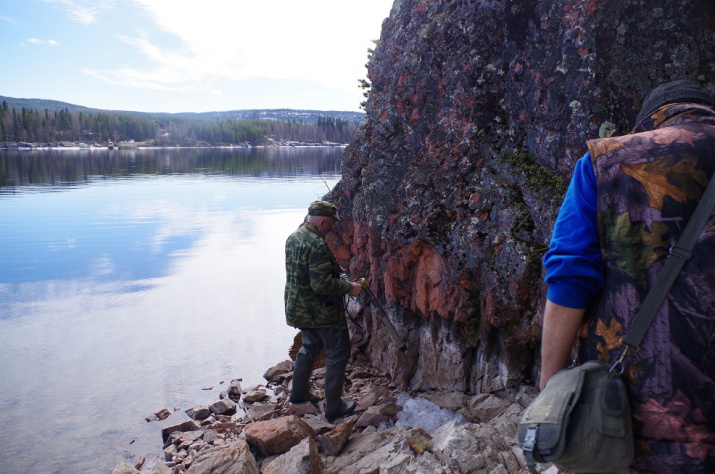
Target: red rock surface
[[477, 113], [278, 435]]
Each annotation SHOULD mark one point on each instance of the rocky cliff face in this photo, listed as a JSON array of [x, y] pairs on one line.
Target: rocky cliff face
[[477, 113]]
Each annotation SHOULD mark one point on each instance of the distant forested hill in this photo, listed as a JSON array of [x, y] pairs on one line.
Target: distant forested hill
[[40, 120]]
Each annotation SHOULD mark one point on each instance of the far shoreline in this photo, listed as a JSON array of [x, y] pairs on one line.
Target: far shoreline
[[23, 146]]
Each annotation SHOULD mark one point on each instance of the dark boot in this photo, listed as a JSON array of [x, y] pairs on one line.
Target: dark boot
[[335, 407], [300, 392]]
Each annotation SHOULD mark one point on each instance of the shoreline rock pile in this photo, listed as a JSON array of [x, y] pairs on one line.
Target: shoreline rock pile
[[273, 436]]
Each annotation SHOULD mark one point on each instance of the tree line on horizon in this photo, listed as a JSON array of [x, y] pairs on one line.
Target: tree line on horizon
[[35, 126]]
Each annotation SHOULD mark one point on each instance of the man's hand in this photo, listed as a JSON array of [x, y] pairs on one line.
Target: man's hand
[[355, 289]]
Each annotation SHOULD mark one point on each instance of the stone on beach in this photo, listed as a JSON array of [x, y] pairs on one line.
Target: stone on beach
[[303, 458], [234, 458], [234, 390], [162, 414], [278, 372], [377, 415], [285, 437], [185, 426], [261, 411], [419, 440], [277, 436], [487, 407], [333, 442], [223, 407], [302, 409], [198, 413], [126, 468], [319, 424], [255, 395]]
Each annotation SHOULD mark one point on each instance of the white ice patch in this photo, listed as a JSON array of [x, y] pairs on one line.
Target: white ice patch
[[425, 414]]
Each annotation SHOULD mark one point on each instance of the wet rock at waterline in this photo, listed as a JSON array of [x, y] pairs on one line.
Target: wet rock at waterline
[[479, 436]]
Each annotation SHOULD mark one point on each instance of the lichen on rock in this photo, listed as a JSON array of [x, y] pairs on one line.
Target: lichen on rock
[[449, 233]]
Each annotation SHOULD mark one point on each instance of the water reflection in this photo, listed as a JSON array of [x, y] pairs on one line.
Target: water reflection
[[120, 297], [72, 167]]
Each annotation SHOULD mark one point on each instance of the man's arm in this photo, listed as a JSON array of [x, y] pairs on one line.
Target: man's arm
[[561, 325]]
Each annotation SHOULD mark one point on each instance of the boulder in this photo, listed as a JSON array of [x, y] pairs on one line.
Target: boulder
[[486, 408], [198, 413], [234, 390], [162, 414], [233, 458], [382, 451], [333, 442], [185, 426], [376, 415], [277, 436], [158, 468], [210, 435], [526, 395], [371, 398], [319, 424], [278, 372], [124, 468], [261, 411], [302, 409], [419, 440], [451, 400], [170, 452], [302, 458], [224, 407], [457, 448], [184, 439], [253, 396]]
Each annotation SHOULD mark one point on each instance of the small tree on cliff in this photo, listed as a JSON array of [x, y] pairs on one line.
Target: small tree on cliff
[[363, 83]]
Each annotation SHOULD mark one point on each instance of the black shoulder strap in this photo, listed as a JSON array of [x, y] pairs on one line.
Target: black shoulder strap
[[679, 254]]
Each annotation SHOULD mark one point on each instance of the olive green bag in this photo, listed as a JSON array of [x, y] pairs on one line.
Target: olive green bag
[[582, 418]]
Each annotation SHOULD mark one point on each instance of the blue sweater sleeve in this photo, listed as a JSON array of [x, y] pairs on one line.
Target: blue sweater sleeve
[[574, 267]]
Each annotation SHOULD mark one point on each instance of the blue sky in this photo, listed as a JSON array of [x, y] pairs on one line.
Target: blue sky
[[189, 56]]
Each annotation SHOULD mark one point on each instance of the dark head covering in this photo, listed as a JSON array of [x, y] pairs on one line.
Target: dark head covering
[[671, 92], [323, 209]]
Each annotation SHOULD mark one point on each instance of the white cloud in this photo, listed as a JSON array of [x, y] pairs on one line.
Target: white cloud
[[43, 42], [7, 19], [133, 78], [84, 11], [325, 41]]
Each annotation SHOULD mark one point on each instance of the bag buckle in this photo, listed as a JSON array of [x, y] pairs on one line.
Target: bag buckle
[[680, 252], [618, 366], [530, 438], [529, 447]]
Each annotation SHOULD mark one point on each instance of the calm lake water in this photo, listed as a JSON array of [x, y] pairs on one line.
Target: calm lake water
[[132, 280]]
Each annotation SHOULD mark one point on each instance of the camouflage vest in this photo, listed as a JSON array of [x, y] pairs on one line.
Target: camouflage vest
[[314, 290], [648, 185]]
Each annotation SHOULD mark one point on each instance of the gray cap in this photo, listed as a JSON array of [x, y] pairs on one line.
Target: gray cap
[[683, 90], [323, 209]]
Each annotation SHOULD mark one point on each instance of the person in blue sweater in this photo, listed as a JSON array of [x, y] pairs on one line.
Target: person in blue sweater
[[629, 200]]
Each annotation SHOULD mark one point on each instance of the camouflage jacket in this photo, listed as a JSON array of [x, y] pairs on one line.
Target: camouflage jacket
[[649, 182], [314, 290]]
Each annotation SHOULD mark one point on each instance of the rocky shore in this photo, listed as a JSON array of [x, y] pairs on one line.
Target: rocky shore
[[256, 430]]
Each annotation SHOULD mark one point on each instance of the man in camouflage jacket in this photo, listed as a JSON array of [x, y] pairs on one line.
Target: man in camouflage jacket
[[314, 303]]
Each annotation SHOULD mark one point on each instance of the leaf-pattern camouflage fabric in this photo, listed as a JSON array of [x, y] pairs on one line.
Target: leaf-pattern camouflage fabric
[[648, 185], [314, 290]]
